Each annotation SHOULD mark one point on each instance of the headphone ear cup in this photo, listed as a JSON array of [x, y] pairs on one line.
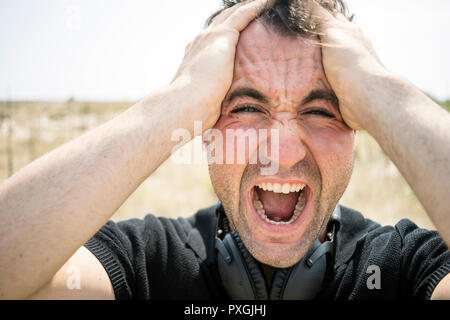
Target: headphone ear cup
[[303, 282], [254, 273], [238, 270], [232, 271]]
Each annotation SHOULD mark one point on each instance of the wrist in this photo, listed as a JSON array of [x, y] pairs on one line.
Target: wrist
[[194, 105], [372, 96]]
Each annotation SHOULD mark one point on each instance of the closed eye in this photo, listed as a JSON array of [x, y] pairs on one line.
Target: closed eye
[[245, 108], [320, 112]]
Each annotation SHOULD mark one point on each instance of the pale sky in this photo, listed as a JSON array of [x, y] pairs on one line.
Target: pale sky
[[123, 49]]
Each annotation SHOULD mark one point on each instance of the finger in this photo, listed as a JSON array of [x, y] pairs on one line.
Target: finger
[[325, 21], [323, 18], [240, 18], [227, 12], [341, 17]]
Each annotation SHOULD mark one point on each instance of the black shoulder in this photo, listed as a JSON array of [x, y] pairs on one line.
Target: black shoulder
[[156, 257], [353, 228], [201, 237], [425, 259], [410, 260]]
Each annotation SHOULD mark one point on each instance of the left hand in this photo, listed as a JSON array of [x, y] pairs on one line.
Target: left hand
[[348, 60]]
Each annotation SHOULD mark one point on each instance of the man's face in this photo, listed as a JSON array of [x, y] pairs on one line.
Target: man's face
[[279, 83]]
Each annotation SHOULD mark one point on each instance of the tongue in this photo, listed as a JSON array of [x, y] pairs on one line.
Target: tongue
[[278, 206]]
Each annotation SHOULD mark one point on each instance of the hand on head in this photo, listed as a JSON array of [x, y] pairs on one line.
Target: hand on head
[[348, 59], [207, 67]]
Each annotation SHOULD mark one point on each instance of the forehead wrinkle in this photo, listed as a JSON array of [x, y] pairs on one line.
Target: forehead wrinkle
[[249, 64], [293, 86], [272, 69], [277, 66], [251, 72], [299, 80], [292, 64]]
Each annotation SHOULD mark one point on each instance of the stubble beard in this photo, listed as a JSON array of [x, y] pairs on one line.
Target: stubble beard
[[287, 255]]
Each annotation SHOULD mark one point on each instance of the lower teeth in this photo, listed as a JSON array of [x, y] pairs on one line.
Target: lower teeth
[[297, 211]]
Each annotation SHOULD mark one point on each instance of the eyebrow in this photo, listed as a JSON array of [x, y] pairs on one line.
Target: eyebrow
[[246, 92], [318, 94], [321, 94]]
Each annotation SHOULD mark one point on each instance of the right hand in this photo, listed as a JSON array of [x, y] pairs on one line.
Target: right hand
[[207, 68]]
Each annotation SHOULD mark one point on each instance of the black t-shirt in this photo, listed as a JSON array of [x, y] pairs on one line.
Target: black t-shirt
[[161, 258]]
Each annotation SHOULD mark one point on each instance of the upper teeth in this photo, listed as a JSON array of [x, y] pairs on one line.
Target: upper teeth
[[281, 188]]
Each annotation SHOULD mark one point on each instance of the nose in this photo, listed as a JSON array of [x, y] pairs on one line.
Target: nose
[[291, 147]]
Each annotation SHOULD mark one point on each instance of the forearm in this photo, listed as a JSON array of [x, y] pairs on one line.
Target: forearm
[[54, 205], [415, 133]]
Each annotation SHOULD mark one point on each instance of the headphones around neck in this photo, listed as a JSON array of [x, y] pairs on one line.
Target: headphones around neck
[[243, 279]]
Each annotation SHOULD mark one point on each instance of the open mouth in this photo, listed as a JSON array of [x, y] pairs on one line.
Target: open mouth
[[280, 204]]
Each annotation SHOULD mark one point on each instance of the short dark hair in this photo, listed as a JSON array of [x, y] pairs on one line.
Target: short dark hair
[[291, 16]]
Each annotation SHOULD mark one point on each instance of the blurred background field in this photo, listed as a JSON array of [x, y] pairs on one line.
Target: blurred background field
[[121, 50], [30, 129]]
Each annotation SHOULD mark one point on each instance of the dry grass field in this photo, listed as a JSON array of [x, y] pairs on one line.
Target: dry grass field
[[30, 129]]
